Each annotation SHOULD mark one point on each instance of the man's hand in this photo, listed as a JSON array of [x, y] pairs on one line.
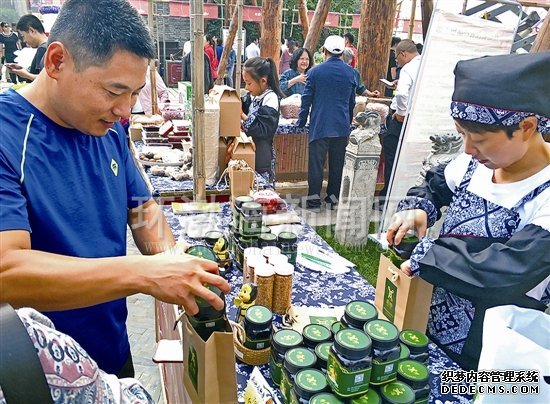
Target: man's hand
[[402, 222], [397, 117], [406, 268], [243, 116]]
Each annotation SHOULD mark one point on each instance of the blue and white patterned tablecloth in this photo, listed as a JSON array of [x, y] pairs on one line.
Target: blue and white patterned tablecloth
[[322, 290]]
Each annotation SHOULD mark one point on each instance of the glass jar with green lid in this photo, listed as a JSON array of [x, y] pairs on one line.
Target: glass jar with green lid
[[202, 251], [349, 363], [296, 359], [357, 313], [267, 240], [385, 350], [325, 398], [281, 341], [404, 355], [321, 351], [257, 327], [416, 376], [211, 237], [236, 210], [335, 327], [244, 243], [315, 334], [288, 243], [250, 221], [371, 397], [417, 342], [396, 392], [307, 383], [208, 319]]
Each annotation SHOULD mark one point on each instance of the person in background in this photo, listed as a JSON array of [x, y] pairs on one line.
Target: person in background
[[143, 102], [252, 50], [10, 42], [32, 33], [70, 188], [286, 56], [391, 76], [319, 56], [493, 247], [360, 88], [293, 81], [408, 58], [260, 116], [230, 70], [209, 50], [330, 93], [92, 383], [350, 39], [419, 48], [219, 48]]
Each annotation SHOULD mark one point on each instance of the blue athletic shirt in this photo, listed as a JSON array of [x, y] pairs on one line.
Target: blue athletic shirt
[[72, 192]]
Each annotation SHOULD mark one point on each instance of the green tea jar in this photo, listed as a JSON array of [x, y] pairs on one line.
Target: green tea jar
[[416, 376], [315, 334], [257, 327], [325, 398], [349, 363], [404, 355], [202, 251], [385, 350], [244, 243], [267, 240], [236, 210], [396, 392], [281, 342], [307, 383], [250, 222], [288, 243], [371, 397], [321, 351], [417, 343], [358, 313], [296, 359], [335, 327], [208, 319]]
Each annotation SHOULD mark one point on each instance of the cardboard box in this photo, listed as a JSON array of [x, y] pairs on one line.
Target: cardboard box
[[135, 132], [223, 157], [230, 110], [242, 150], [185, 91], [240, 182]]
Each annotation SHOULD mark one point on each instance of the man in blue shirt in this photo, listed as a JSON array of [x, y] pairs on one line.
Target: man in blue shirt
[[330, 93], [69, 187]]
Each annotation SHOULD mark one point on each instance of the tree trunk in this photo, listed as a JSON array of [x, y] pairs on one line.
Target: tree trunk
[[317, 24], [222, 66], [542, 41], [427, 7], [302, 10], [373, 48], [253, 3], [270, 42]]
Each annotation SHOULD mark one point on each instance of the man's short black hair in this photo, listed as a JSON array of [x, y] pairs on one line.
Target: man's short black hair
[[395, 40], [476, 127], [350, 37], [30, 21], [93, 30]]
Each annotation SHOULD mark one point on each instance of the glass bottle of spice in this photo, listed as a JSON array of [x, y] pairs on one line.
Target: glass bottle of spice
[[322, 350], [349, 363], [385, 352], [288, 243], [247, 253], [417, 343], [396, 392], [296, 359], [250, 222], [357, 313], [257, 327], [308, 382], [315, 334], [416, 376], [264, 278], [282, 286], [281, 342]]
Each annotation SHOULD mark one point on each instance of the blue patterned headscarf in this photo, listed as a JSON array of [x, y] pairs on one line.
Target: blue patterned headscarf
[[503, 90]]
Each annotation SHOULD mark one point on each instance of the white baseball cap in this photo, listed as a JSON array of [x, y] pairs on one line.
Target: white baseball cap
[[335, 44]]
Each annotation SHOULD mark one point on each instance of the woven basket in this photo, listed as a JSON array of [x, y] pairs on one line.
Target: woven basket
[[246, 355]]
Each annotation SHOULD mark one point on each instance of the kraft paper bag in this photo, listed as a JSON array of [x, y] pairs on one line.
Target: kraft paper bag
[[209, 372], [403, 300]]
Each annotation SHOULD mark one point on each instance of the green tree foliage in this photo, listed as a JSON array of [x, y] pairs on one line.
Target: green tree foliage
[[8, 14]]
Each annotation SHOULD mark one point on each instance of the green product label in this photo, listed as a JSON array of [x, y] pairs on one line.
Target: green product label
[[250, 226], [316, 333], [361, 310], [390, 299], [382, 330], [370, 398], [193, 367], [323, 349], [413, 370], [383, 372], [286, 388], [275, 370], [344, 382], [326, 321], [287, 338]]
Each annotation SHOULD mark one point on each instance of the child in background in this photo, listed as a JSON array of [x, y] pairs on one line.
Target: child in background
[[261, 114]]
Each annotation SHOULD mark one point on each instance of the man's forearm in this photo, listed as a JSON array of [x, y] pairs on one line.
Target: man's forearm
[[150, 231]]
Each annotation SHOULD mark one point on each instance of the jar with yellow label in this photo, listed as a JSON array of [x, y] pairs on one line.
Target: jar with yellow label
[[281, 342], [349, 363], [296, 359], [416, 376], [417, 343], [385, 350]]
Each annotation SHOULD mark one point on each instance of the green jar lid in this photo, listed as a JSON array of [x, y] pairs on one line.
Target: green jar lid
[[265, 230], [371, 397], [405, 353], [415, 340], [314, 334], [299, 358], [309, 382], [239, 200], [322, 350], [325, 398], [357, 313], [383, 333], [335, 327], [251, 208], [287, 237], [283, 340], [352, 343], [202, 252], [258, 315], [397, 392], [413, 373]]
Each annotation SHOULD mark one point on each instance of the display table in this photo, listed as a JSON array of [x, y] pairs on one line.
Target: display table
[[309, 289]]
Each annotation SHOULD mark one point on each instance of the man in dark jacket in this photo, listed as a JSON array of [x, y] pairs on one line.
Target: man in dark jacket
[[330, 93]]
